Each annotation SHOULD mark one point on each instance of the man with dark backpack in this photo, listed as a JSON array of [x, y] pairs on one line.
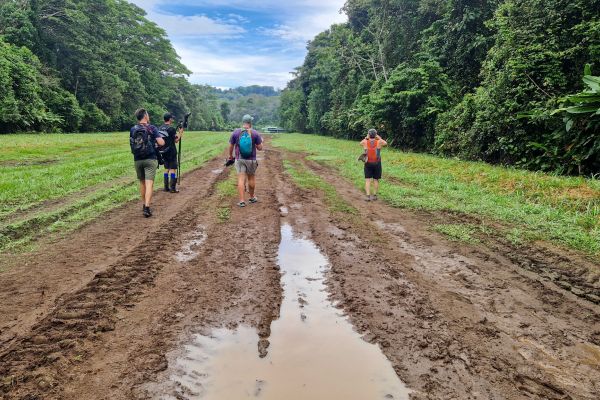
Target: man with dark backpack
[[372, 146], [171, 135], [143, 139], [245, 142]]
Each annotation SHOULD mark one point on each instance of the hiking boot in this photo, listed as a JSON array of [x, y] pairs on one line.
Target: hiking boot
[[147, 212], [368, 198], [374, 197], [174, 186], [167, 189]]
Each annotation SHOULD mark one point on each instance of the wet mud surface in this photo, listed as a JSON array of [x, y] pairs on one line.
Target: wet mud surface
[[107, 312], [310, 340]]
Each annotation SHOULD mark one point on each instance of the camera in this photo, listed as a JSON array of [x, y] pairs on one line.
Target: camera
[[185, 123]]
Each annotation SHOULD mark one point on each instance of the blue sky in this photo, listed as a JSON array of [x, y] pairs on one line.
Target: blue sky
[[240, 43]]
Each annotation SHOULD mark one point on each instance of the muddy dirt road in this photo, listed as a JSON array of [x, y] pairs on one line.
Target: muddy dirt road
[[105, 312]]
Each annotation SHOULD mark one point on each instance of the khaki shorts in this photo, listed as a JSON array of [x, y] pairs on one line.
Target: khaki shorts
[[146, 169], [246, 166]]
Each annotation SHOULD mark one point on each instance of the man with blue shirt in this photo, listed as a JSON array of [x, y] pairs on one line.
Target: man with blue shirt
[[245, 142], [143, 140]]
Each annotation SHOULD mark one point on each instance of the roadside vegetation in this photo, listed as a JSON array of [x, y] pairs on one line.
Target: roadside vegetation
[[519, 205], [56, 183], [489, 80]]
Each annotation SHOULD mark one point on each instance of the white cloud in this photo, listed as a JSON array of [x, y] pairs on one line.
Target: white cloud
[[208, 46], [232, 68], [196, 25]]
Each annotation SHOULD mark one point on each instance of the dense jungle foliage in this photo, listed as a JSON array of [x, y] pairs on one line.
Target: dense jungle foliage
[[495, 80], [87, 65]]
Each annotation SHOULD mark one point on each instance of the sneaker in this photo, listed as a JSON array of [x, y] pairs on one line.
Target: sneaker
[[374, 197], [147, 212], [253, 200], [368, 198], [242, 204]]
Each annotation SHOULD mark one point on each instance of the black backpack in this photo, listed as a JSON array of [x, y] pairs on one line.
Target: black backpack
[[163, 131], [141, 143]]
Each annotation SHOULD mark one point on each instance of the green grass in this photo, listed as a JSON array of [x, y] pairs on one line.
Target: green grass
[[224, 214], [459, 232], [55, 183], [561, 210], [308, 180], [226, 189]]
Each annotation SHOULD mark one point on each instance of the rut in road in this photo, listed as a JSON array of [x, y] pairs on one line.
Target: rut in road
[[119, 323], [456, 320]]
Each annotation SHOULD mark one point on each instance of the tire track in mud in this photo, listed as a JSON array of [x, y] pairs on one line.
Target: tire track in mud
[[31, 284], [36, 364], [457, 321], [149, 301], [235, 279]]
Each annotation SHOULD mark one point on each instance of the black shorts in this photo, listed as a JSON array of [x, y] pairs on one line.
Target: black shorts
[[373, 170], [171, 163]]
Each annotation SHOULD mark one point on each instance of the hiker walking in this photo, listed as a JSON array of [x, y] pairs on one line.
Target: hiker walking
[[143, 139], [372, 146], [172, 136], [245, 141]]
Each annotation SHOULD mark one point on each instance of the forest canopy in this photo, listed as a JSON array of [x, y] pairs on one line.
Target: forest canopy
[[483, 80], [86, 65]]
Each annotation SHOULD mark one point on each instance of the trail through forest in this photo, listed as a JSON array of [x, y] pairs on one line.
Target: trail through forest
[[109, 312]]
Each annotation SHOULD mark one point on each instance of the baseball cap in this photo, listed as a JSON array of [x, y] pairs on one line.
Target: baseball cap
[[247, 119], [168, 116]]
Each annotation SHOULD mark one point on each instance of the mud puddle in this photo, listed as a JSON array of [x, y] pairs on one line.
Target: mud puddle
[[314, 352], [191, 246]]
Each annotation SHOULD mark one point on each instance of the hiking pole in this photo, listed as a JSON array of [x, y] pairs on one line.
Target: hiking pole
[[179, 162]]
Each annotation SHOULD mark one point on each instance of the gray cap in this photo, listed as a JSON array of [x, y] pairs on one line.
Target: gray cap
[[247, 119], [372, 133]]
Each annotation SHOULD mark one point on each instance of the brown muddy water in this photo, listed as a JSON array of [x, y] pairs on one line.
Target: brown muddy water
[[314, 352]]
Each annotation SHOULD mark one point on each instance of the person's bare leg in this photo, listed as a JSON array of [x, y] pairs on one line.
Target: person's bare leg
[[143, 191], [251, 184], [149, 188], [241, 186], [368, 187], [375, 187]]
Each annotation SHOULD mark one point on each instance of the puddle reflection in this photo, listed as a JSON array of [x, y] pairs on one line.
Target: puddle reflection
[[314, 353]]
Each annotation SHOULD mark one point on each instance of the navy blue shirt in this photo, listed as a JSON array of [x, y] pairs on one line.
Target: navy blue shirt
[[153, 130]]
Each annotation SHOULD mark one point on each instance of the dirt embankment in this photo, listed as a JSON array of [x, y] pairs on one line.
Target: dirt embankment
[[94, 315]]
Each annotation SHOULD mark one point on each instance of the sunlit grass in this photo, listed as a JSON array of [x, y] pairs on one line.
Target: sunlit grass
[[562, 210]]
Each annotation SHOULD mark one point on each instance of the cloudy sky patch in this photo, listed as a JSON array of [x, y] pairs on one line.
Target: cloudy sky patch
[[240, 43]]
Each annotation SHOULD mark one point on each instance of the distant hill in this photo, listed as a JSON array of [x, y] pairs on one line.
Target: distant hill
[[262, 102], [232, 94]]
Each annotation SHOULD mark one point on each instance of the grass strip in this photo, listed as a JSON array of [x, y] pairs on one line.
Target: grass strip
[[49, 169], [308, 180], [536, 206]]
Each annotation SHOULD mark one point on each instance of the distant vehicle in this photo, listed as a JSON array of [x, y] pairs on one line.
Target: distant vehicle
[[274, 129]]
